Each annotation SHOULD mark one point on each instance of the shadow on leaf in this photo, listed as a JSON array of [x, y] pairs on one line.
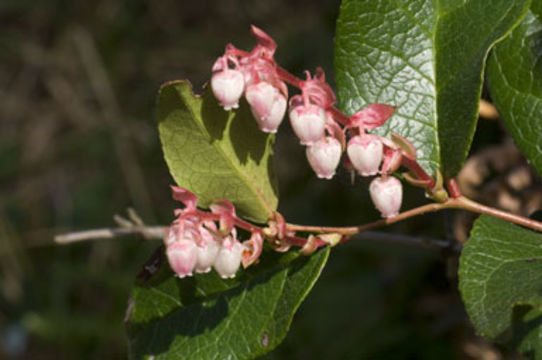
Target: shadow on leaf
[[247, 139], [213, 116]]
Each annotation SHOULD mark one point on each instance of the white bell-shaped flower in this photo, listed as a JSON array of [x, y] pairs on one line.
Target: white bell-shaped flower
[[324, 156], [207, 250], [268, 105], [228, 86], [387, 195], [365, 153], [308, 122], [181, 251]]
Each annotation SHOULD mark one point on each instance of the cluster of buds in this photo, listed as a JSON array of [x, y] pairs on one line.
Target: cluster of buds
[[198, 241], [320, 126]]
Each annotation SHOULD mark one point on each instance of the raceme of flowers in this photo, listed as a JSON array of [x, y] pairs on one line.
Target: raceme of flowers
[[321, 127], [198, 241]]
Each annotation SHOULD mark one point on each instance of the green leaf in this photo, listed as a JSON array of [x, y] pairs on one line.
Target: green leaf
[[426, 58], [217, 154], [500, 275], [515, 82], [205, 317]]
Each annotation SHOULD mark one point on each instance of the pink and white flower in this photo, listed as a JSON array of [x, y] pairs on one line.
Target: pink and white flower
[[308, 120], [227, 85], [229, 257], [181, 250], [268, 105], [207, 249], [324, 156], [365, 153], [387, 195]]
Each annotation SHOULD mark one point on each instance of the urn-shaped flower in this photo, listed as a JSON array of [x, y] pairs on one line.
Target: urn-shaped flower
[[387, 195], [228, 86], [324, 156], [229, 256], [365, 153], [267, 104], [308, 121], [181, 252]]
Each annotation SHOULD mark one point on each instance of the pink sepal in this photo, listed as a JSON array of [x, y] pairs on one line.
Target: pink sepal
[[264, 41], [188, 198], [392, 160], [372, 116], [335, 130], [226, 210], [252, 249], [317, 90]]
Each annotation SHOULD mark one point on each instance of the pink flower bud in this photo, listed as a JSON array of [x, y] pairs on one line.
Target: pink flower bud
[[268, 105], [308, 122], [387, 195], [324, 156], [365, 153], [181, 251], [228, 259], [207, 250], [228, 86]]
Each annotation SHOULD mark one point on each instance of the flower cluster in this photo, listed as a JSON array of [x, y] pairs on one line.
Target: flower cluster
[[318, 124], [198, 241]]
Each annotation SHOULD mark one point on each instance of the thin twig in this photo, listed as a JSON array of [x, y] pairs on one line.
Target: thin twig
[[147, 232], [460, 202], [351, 230]]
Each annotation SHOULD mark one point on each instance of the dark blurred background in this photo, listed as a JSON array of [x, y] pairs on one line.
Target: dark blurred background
[[78, 144]]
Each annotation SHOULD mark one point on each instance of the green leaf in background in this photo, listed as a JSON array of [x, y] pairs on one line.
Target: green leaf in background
[[500, 279], [215, 153], [515, 82], [426, 58], [205, 317]]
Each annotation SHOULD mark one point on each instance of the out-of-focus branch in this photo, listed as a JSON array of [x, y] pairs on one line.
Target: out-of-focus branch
[[133, 225], [147, 232], [487, 110]]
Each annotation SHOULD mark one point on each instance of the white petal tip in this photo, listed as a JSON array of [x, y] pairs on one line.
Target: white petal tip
[[390, 215], [269, 131], [325, 177]]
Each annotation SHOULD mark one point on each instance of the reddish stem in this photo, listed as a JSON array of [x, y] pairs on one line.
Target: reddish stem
[[418, 171], [339, 116], [453, 188], [246, 225], [293, 80], [289, 77], [461, 202]]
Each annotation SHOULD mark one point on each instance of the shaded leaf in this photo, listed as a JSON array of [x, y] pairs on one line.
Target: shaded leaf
[[515, 82], [500, 273], [217, 154], [206, 317], [426, 58]]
